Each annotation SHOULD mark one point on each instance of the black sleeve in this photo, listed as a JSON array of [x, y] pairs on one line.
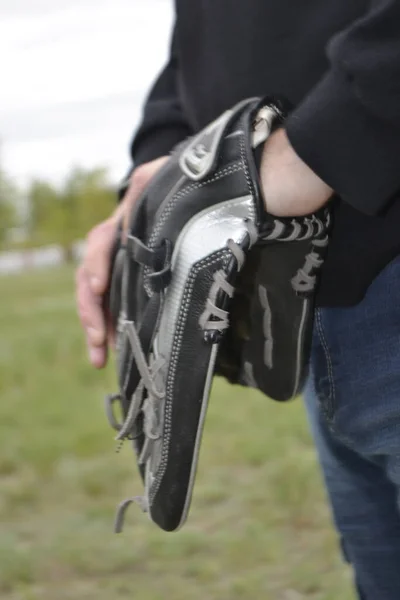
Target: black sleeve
[[164, 123], [348, 128]]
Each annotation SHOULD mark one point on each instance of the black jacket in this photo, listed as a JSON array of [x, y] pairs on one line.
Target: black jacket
[[338, 62]]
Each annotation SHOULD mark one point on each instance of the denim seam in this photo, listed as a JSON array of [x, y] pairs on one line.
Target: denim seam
[[324, 344]]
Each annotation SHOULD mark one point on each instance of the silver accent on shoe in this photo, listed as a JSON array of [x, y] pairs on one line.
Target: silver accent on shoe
[[262, 125], [198, 159], [206, 233]]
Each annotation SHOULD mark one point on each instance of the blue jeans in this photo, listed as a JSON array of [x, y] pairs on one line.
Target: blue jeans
[[353, 403]]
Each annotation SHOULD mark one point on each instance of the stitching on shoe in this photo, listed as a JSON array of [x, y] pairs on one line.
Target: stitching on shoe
[[246, 171], [195, 186]]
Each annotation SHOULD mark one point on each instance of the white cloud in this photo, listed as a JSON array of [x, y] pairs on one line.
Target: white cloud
[[74, 78]]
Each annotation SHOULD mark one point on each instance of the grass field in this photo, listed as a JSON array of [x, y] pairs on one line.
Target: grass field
[[259, 527]]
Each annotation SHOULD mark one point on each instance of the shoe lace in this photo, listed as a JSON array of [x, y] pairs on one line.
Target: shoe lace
[[146, 399]]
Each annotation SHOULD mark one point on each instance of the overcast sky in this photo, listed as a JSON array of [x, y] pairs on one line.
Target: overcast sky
[[73, 76]]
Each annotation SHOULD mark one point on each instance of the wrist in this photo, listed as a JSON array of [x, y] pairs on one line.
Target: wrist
[[289, 186]]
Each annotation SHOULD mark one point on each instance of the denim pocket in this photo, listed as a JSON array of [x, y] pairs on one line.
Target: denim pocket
[[323, 368]]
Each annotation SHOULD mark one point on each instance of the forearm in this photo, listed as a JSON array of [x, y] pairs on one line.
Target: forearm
[[289, 186]]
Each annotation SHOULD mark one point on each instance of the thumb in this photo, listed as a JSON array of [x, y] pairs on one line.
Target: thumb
[[140, 179]]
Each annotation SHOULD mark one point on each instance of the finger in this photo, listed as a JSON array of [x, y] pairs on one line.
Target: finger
[[90, 311], [111, 333], [97, 259], [135, 190], [92, 319], [140, 179], [98, 356]]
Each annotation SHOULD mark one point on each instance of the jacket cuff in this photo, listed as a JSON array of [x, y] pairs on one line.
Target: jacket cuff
[[354, 152]]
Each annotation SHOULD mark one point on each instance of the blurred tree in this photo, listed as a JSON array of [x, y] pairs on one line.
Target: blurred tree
[[8, 201], [91, 195], [65, 215], [43, 201]]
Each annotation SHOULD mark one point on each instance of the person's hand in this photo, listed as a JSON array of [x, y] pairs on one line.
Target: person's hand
[[290, 187], [92, 276]]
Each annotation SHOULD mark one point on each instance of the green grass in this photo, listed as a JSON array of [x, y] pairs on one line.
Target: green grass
[[259, 526]]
